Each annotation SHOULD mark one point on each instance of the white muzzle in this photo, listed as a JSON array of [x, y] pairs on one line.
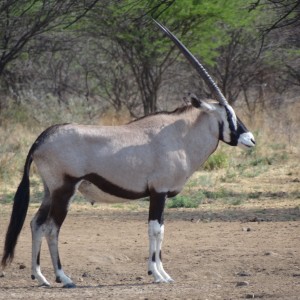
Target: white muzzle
[[246, 140]]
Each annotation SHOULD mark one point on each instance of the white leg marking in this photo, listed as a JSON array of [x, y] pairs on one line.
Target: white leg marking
[[37, 236], [155, 267], [159, 264], [52, 240]]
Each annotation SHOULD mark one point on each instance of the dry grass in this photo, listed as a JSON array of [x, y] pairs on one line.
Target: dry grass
[[256, 190], [272, 168]]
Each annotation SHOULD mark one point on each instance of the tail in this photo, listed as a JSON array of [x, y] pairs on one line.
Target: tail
[[21, 201], [18, 215]]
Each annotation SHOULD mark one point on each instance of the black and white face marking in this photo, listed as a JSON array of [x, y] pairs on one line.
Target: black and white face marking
[[233, 132]]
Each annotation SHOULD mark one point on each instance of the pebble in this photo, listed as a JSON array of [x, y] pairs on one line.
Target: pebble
[[139, 278], [246, 229], [270, 253], [242, 283], [243, 274], [22, 266]]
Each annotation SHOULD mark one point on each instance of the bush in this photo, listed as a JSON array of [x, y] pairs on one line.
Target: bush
[[218, 194], [185, 201], [216, 161]]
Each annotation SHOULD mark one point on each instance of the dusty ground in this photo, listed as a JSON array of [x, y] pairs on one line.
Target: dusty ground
[[217, 251], [208, 253]]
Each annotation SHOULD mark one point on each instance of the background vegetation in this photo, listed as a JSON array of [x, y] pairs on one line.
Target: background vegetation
[[105, 62]]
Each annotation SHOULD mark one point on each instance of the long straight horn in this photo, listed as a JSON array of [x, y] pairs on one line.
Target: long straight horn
[[196, 64]]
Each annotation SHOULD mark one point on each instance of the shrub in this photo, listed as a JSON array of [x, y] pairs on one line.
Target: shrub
[[185, 201], [218, 194], [216, 161]]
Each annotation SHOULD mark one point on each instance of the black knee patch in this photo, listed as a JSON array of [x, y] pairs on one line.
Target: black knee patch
[[153, 256], [58, 263], [38, 258]]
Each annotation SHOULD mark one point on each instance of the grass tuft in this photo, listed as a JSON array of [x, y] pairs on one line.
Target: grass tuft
[[216, 161], [186, 201]]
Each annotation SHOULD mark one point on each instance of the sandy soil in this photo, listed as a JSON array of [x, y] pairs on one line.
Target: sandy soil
[[234, 253]]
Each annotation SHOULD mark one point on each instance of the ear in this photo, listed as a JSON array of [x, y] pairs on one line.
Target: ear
[[201, 104]]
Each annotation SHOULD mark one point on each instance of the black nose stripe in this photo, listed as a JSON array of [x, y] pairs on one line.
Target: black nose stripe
[[229, 120], [241, 127]]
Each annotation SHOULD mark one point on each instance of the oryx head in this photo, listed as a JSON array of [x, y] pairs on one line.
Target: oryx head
[[231, 129]]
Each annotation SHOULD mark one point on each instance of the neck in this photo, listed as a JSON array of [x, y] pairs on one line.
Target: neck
[[201, 139]]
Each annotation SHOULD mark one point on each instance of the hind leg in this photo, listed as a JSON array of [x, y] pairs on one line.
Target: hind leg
[[60, 199], [52, 239], [36, 273], [38, 231]]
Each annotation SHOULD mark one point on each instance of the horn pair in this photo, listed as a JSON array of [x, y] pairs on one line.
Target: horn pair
[[196, 64]]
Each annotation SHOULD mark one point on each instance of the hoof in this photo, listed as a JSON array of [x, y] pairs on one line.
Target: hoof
[[164, 280], [45, 285], [57, 279], [69, 286]]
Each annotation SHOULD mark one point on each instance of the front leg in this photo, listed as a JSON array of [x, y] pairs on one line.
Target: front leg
[[156, 234]]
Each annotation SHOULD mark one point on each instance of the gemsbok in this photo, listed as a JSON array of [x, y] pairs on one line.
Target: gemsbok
[[152, 156]]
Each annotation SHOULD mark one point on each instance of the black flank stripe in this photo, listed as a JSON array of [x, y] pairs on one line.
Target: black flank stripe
[[113, 189]]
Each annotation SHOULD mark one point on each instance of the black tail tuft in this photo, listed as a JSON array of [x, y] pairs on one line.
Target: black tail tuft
[[21, 201], [20, 207]]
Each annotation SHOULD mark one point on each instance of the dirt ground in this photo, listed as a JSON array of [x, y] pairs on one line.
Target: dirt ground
[[233, 253]]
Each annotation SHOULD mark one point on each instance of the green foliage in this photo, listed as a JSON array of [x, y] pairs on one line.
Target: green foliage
[[218, 194], [255, 161], [255, 158], [216, 161], [186, 201], [194, 199], [204, 180], [16, 113], [7, 197], [199, 21], [201, 25], [236, 201], [231, 175]]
